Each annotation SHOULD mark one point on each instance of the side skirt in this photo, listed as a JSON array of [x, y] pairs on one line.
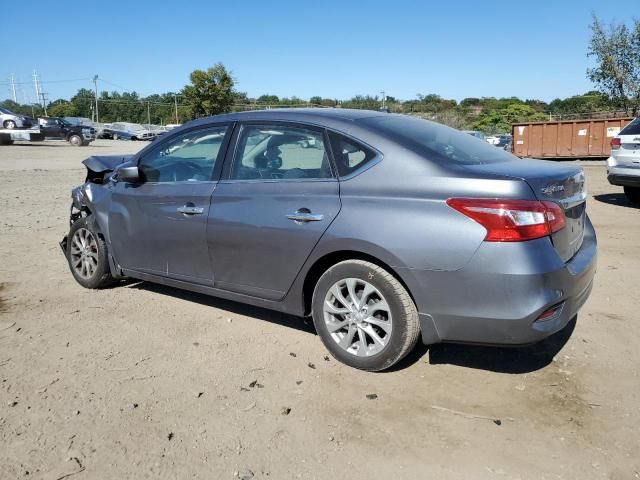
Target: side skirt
[[211, 291]]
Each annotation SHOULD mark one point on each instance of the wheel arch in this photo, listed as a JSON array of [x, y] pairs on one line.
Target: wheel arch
[[323, 263]]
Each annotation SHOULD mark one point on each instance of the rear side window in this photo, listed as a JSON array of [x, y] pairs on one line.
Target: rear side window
[[349, 154], [632, 129], [276, 152]]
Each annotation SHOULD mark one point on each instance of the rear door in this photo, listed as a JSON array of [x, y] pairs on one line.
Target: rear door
[[279, 196], [159, 226]]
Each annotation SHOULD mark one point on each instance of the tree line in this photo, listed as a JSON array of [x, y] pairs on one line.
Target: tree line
[[616, 75]]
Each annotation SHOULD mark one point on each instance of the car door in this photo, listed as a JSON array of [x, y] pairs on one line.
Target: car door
[[158, 225], [278, 198], [50, 127]]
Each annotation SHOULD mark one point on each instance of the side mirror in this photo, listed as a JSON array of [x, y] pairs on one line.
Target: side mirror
[[128, 174]]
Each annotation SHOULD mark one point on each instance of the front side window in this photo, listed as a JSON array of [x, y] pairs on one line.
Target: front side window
[[273, 152], [190, 157]]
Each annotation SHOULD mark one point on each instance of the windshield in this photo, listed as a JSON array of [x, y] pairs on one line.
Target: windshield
[[437, 142], [136, 127], [6, 111]]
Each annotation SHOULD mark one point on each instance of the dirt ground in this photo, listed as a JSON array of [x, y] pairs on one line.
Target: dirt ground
[[144, 381]]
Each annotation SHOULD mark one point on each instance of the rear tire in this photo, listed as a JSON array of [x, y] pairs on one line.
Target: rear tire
[[633, 194], [115, 136], [10, 124], [364, 315], [87, 255]]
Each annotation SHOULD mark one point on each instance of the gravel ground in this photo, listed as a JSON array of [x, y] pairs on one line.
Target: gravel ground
[[144, 381]]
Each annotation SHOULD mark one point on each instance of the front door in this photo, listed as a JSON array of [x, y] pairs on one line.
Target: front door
[[267, 216], [159, 225]]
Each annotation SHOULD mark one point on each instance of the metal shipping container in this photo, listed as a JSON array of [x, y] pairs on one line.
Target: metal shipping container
[[566, 138]]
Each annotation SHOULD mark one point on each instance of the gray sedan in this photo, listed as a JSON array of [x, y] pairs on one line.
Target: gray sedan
[[390, 229]]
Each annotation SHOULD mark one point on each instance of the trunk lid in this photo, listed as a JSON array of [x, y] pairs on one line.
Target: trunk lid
[[550, 181]]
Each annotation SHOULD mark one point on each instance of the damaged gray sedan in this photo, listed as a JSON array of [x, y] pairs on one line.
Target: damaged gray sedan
[[384, 228]]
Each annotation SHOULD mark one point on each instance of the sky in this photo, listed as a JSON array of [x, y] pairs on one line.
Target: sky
[[335, 49]]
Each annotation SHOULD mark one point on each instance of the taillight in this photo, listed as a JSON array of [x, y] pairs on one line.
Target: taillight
[[511, 220], [615, 143]]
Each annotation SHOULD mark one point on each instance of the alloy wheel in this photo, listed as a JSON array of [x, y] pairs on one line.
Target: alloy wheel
[[84, 253], [357, 317]]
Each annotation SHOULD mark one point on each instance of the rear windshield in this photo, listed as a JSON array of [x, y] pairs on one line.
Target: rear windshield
[[632, 129], [437, 142]]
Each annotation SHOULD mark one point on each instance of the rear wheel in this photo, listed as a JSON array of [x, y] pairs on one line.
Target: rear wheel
[[633, 194], [9, 124], [87, 255], [364, 316], [115, 136]]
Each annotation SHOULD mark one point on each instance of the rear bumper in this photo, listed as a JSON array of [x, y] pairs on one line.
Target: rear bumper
[[625, 175], [622, 180], [497, 297]]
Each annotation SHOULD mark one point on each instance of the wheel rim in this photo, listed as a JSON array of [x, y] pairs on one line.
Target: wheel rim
[[75, 140], [357, 317], [11, 124], [84, 253]]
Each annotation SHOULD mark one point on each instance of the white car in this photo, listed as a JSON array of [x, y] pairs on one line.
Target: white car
[[623, 166]]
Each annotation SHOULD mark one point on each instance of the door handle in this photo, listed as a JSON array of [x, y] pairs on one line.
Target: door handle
[[304, 215], [191, 210]]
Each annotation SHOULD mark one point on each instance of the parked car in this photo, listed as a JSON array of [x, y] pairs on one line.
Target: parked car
[[623, 166], [127, 131], [11, 120], [393, 228], [76, 135], [80, 121], [475, 133], [504, 142]]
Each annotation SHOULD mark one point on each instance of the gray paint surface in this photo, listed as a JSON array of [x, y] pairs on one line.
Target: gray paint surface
[[243, 247]]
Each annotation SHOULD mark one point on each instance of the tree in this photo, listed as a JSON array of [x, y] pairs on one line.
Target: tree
[[210, 92], [617, 55], [62, 108], [499, 121]]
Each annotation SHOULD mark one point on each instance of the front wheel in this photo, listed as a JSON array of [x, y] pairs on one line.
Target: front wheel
[[87, 255], [10, 124], [633, 194], [364, 315], [75, 140]]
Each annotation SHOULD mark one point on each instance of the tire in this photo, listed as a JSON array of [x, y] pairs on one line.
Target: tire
[[75, 140], [10, 124], [633, 194], [114, 136], [6, 142], [91, 268], [396, 327], [85, 143]]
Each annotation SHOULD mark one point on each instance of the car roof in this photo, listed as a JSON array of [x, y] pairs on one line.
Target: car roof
[[321, 116]]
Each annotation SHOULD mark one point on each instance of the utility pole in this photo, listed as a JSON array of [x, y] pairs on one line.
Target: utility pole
[[148, 117], [384, 99], [95, 87], [13, 88], [35, 83], [44, 102], [175, 101]]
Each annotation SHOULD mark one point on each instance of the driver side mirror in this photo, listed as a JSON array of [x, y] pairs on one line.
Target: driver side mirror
[[128, 174]]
